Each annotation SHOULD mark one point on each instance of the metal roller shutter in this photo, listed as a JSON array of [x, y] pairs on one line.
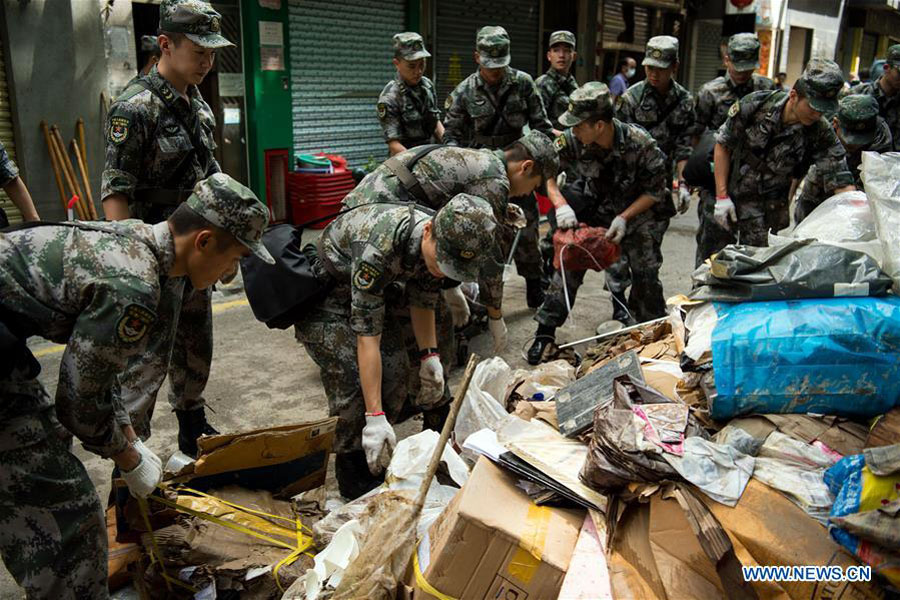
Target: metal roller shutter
[[457, 22], [707, 60], [340, 60], [614, 24], [6, 136]]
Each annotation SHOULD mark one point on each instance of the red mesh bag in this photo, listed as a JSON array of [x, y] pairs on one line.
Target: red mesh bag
[[586, 248]]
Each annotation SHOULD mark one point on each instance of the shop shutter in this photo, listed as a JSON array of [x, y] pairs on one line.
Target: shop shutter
[[459, 20], [707, 61], [340, 61], [6, 136]]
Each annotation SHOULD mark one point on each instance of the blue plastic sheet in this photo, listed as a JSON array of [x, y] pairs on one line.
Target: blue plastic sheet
[[836, 356]]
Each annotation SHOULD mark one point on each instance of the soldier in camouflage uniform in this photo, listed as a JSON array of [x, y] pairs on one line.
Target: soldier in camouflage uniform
[[624, 173], [407, 107], [860, 129], [159, 144], [713, 102], [665, 109], [557, 84], [489, 109], [770, 138], [15, 188], [351, 335], [886, 90], [98, 288]]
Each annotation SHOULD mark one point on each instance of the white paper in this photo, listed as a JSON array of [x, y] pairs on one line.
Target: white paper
[[271, 33]]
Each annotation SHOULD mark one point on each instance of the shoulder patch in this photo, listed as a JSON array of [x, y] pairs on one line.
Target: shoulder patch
[[134, 323], [119, 128], [366, 276], [734, 108], [381, 109], [560, 142]]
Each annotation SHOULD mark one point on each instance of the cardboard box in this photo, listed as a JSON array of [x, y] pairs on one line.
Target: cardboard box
[[493, 542]]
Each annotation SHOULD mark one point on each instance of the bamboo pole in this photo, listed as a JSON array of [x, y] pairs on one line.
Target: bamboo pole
[[89, 195], [56, 167], [82, 145], [68, 171]]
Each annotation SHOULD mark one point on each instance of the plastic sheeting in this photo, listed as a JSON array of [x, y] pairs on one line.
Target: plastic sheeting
[[795, 269], [881, 176], [830, 356]]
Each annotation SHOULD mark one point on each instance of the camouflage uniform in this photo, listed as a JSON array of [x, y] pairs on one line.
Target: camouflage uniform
[[95, 287], [160, 144], [97, 291], [408, 114], [861, 130], [766, 153], [713, 102], [481, 117], [8, 172], [555, 87], [614, 179], [889, 106], [670, 121], [373, 252]]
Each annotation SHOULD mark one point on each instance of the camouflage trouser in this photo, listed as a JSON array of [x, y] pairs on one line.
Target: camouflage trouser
[[642, 256], [180, 344], [446, 341], [527, 255], [711, 237], [52, 528], [758, 215], [620, 275], [331, 343]]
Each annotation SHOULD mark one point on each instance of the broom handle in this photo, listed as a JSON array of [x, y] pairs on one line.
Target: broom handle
[[56, 167], [445, 432]]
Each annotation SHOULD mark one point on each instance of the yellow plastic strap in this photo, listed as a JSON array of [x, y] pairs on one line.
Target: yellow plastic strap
[[423, 583], [527, 558], [242, 508]]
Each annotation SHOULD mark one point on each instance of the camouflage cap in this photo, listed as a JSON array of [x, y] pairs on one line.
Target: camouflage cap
[[492, 44], [409, 45], [562, 37], [893, 55], [858, 117], [820, 82], [590, 100], [194, 18], [662, 52], [743, 51], [464, 230], [542, 150], [234, 208]]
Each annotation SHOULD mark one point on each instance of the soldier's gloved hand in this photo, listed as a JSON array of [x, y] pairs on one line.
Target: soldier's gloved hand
[[378, 441], [616, 230], [142, 479], [724, 212], [565, 217], [499, 333], [459, 307], [561, 179], [431, 380], [684, 198]]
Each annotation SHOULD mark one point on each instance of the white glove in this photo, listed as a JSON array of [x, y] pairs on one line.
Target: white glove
[[431, 379], [565, 217], [724, 212], [616, 230], [499, 333], [684, 198], [142, 479], [459, 307], [561, 179], [378, 441]]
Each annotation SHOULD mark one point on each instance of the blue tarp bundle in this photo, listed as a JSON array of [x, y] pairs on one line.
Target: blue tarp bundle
[[837, 356]]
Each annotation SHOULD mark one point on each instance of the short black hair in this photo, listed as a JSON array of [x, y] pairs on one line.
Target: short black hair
[[517, 152], [864, 73], [622, 63], [781, 74], [185, 220], [176, 37]]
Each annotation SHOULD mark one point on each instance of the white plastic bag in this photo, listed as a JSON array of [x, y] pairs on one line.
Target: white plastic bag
[[484, 405], [546, 378], [881, 176]]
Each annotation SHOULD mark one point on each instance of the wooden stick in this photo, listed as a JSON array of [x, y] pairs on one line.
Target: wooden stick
[[79, 160], [69, 191], [446, 431], [56, 168], [69, 172], [82, 145]]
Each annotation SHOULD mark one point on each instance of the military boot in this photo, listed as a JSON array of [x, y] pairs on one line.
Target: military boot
[[191, 425], [544, 336]]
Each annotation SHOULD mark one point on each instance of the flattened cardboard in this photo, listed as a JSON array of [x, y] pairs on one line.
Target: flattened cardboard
[[493, 542]]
